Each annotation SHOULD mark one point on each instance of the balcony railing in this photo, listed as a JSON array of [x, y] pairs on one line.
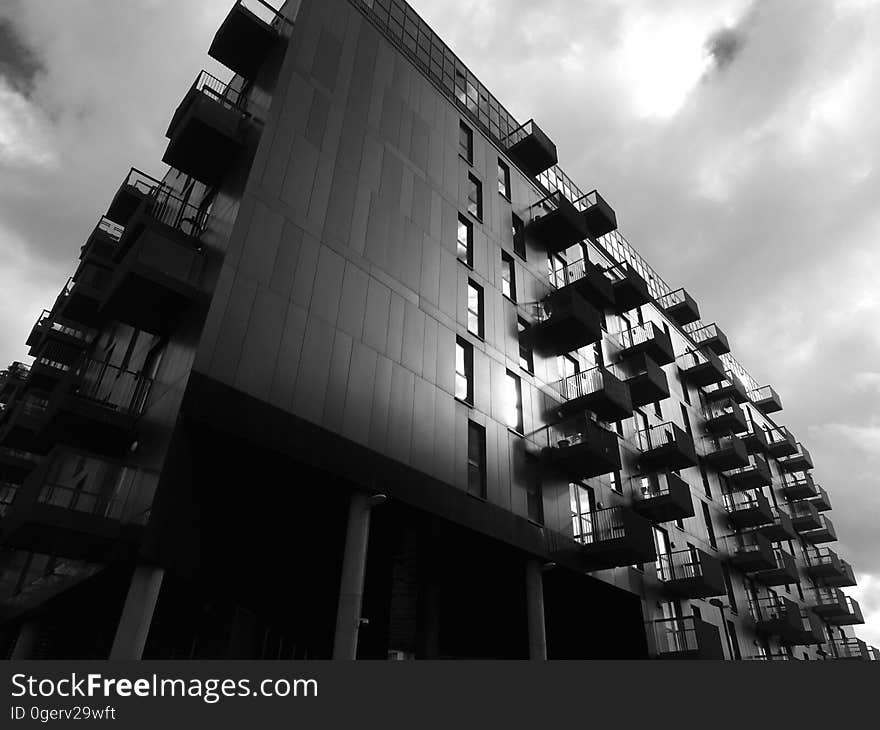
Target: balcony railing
[[556, 223], [691, 573], [775, 615], [665, 446], [821, 501], [647, 339], [725, 452], [730, 388], [829, 602], [531, 148], [725, 417], [701, 368], [799, 487], [562, 322], [804, 516], [614, 537], [687, 637], [784, 571], [712, 337], [781, 528], [849, 648], [596, 390], [824, 533], [645, 378], [748, 509], [755, 474], [849, 616], [798, 461], [599, 216], [630, 288], [579, 446], [680, 307], [766, 399], [750, 551], [780, 442], [588, 280], [662, 497], [112, 387], [246, 36]]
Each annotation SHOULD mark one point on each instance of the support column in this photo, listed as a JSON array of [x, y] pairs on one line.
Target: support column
[[535, 610], [26, 643], [137, 613], [351, 585]]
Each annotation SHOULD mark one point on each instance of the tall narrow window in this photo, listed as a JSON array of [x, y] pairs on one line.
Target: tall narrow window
[[475, 197], [556, 266], [513, 414], [508, 276], [685, 392], [475, 309], [534, 499], [685, 420], [476, 459], [465, 247], [503, 178], [568, 366], [710, 530], [466, 142], [526, 358], [581, 501], [734, 642], [519, 236], [728, 585], [706, 488], [464, 370]]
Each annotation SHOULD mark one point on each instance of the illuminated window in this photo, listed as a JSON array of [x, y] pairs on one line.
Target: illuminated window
[[503, 178], [513, 414], [476, 459], [464, 370], [519, 236], [466, 142], [526, 358], [508, 276], [465, 246], [475, 197], [475, 309]]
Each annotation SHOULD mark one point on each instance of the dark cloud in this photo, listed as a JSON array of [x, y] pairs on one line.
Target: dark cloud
[[19, 65], [724, 46]]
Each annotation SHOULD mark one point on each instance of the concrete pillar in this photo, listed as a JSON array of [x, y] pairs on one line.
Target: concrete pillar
[[351, 585], [137, 613], [26, 643], [535, 610]]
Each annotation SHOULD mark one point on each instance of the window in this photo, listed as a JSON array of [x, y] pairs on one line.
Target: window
[[710, 531], [658, 411], [556, 266], [513, 414], [508, 276], [503, 178], [475, 197], [728, 584], [466, 142], [476, 459], [616, 483], [475, 309], [526, 358], [465, 247], [706, 488], [519, 236], [661, 547], [686, 420], [734, 642], [686, 393], [534, 500], [464, 370], [581, 501]]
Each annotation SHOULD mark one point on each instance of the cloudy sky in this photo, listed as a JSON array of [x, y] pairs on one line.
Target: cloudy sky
[[736, 139]]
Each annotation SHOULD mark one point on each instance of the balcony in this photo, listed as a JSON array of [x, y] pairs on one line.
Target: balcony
[[646, 339], [629, 286], [850, 648], [701, 368], [750, 552], [531, 149], [730, 388], [16, 464], [781, 528], [556, 223], [247, 36], [563, 322], [680, 307], [824, 566], [755, 438], [666, 446], [766, 400], [101, 243], [821, 501], [646, 380], [159, 263], [812, 630], [828, 602], [56, 344], [596, 390], [775, 657], [135, 189], [616, 536], [580, 447], [780, 442], [748, 510], [784, 571], [685, 638], [710, 336], [753, 475], [78, 505], [725, 416], [691, 573], [873, 654], [598, 215], [97, 408], [776, 616], [726, 452], [825, 533], [801, 487], [804, 516], [207, 130], [662, 497], [23, 420], [587, 280], [799, 461], [849, 616], [80, 299]]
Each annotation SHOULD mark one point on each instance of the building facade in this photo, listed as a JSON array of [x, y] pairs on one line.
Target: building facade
[[366, 374]]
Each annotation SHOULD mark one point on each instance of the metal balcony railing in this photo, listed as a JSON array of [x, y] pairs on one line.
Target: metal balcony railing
[[679, 565], [264, 11], [580, 384], [602, 526], [65, 327], [166, 207], [114, 388], [655, 437], [685, 636]]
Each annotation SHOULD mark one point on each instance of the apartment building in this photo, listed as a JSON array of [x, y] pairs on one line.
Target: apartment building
[[366, 374]]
